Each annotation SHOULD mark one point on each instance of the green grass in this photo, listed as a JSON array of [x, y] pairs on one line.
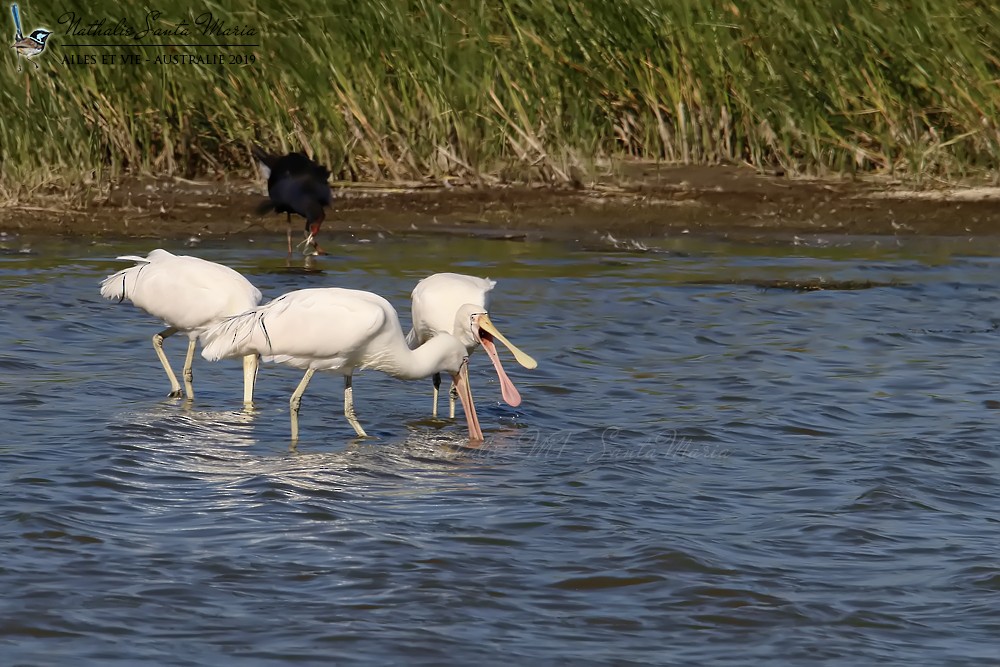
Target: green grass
[[523, 90]]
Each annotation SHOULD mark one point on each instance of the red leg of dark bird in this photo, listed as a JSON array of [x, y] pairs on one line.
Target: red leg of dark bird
[[289, 234]]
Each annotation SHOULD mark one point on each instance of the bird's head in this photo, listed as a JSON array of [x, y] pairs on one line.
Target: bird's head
[[474, 326], [314, 219], [40, 35]]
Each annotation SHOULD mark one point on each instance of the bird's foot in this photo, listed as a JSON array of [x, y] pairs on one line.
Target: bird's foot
[[310, 247], [177, 393]]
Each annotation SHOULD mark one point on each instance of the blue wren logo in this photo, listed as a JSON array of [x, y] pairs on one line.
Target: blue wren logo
[[30, 46]]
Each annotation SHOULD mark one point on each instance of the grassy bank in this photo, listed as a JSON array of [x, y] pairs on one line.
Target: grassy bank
[[515, 89]]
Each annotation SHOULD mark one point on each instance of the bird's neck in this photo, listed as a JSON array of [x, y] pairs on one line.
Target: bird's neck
[[464, 337], [424, 361]]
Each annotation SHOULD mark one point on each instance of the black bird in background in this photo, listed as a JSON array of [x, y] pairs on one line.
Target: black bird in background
[[296, 184]]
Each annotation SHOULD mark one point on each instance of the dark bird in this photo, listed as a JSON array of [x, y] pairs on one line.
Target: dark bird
[[30, 46], [295, 184]]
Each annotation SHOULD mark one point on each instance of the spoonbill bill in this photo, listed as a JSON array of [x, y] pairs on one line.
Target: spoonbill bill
[[435, 302]]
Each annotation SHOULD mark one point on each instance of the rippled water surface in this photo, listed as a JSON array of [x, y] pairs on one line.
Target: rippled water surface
[[702, 471]]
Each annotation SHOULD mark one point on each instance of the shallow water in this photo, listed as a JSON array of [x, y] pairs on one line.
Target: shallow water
[[699, 474]]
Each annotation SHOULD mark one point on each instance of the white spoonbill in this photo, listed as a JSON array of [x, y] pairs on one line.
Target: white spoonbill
[[343, 330], [190, 295], [435, 302]]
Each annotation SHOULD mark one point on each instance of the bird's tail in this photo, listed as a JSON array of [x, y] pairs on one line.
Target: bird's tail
[[412, 341], [322, 173], [264, 159], [17, 22], [118, 286], [259, 154], [236, 336]]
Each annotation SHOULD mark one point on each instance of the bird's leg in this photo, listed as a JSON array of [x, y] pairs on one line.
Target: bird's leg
[[175, 386], [289, 230], [352, 418], [188, 373], [250, 365], [310, 242], [452, 395], [296, 400], [437, 385]]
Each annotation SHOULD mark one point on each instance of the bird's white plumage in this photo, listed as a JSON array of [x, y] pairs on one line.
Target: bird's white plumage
[[436, 303], [339, 330], [190, 295], [437, 298], [321, 328], [187, 293]]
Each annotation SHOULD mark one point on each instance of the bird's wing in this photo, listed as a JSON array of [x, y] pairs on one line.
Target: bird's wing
[[264, 159], [300, 193], [317, 323], [321, 185], [436, 300], [185, 292], [321, 191]]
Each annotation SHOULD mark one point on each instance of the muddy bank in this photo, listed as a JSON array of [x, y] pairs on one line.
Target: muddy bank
[[647, 202]]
